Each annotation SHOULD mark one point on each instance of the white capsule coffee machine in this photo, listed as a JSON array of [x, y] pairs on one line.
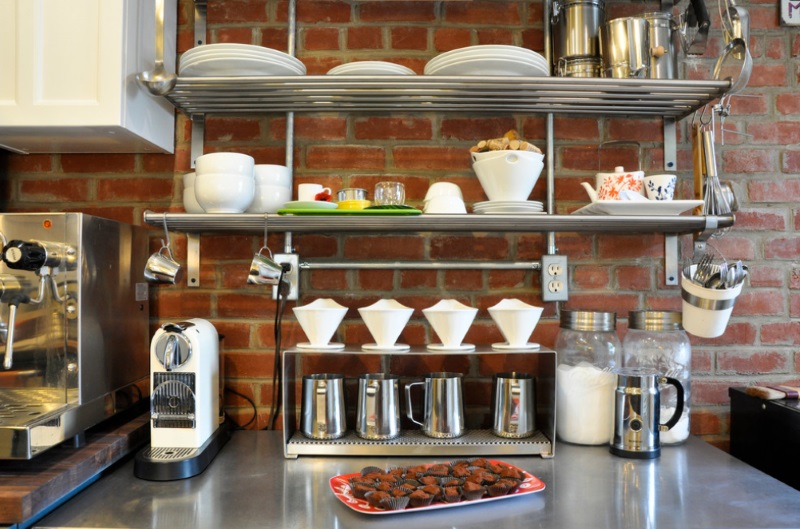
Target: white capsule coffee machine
[[185, 428]]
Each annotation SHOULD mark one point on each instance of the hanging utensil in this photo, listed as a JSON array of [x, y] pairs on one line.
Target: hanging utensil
[[694, 27], [734, 64], [698, 163], [158, 80]]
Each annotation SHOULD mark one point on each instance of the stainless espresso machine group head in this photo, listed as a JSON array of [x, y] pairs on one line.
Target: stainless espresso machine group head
[[73, 326], [185, 427]]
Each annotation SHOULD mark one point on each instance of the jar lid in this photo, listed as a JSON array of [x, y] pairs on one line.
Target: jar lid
[[655, 320], [583, 320]]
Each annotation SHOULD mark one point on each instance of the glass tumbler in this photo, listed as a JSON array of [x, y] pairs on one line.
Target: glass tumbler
[[389, 194]]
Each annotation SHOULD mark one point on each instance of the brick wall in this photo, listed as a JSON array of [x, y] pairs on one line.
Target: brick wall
[[616, 273]]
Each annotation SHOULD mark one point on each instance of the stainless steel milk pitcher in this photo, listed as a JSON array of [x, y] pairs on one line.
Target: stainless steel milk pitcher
[[513, 402], [637, 400], [378, 412], [443, 405], [323, 411]]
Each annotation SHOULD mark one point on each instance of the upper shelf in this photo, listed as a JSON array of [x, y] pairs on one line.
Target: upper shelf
[[254, 223], [558, 95]]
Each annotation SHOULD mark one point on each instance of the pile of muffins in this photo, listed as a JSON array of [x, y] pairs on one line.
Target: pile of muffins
[[422, 485]]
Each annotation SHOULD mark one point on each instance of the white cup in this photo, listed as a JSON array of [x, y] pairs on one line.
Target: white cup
[[444, 205], [309, 192], [440, 189], [273, 188], [660, 186], [706, 311]]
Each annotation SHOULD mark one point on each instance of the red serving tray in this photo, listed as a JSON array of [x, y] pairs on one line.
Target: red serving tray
[[340, 485]]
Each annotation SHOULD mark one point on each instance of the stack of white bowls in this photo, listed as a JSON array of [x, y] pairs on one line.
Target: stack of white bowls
[[444, 198], [225, 182], [189, 200], [273, 188], [508, 175]]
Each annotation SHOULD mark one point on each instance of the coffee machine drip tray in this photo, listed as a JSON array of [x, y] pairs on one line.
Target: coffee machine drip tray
[[22, 407]]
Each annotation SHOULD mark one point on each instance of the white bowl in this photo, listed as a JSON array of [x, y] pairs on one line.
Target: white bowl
[[269, 198], [385, 320], [450, 320], [478, 156], [320, 319], [190, 204], [224, 193], [510, 177], [444, 205], [270, 174], [516, 320], [225, 162], [441, 189]]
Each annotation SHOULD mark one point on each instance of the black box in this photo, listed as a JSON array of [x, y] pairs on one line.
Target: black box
[[766, 435]]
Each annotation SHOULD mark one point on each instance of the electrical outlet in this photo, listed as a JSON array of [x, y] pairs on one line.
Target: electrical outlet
[[554, 278], [292, 275]]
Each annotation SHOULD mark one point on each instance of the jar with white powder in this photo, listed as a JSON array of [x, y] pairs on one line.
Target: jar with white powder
[[588, 349], [656, 340]]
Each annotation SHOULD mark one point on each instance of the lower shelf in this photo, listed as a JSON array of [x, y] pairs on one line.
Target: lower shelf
[[415, 443]]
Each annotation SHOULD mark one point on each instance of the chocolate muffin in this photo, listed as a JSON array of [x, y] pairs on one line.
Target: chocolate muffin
[[452, 494], [433, 490], [361, 489], [375, 498], [420, 498], [472, 491]]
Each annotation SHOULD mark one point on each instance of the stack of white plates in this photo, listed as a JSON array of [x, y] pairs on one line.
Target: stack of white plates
[[494, 59], [509, 207], [370, 68], [223, 60]]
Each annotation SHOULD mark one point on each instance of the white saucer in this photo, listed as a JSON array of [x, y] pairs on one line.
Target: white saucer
[[310, 204], [330, 346], [530, 346], [395, 347], [461, 348]]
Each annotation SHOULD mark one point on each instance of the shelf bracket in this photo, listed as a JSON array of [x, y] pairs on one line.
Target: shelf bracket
[[670, 145], [193, 259], [671, 264]]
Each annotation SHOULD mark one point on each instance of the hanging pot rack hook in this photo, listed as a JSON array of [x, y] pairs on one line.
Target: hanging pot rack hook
[[166, 245], [264, 246]]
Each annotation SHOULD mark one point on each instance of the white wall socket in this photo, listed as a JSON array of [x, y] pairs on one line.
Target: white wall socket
[[554, 278], [293, 275]]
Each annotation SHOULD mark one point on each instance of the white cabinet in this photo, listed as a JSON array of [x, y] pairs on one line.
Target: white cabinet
[[67, 76]]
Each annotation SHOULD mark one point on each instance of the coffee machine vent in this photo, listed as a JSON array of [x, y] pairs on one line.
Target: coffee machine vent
[[173, 400]]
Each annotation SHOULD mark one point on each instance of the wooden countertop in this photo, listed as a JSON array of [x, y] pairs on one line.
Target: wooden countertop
[[32, 486]]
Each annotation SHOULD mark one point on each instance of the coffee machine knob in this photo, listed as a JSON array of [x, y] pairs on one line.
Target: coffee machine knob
[[635, 425], [24, 255]]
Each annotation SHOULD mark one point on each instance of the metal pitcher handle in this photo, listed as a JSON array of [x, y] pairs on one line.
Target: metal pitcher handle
[[676, 415], [321, 396], [409, 410]]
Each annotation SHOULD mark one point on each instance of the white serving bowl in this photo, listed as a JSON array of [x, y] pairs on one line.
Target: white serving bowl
[[224, 163], [270, 174], [269, 198], [224, 193], [516, 320], [450, 320], [385, 320], [478, 156], [320, 319], [190, 204], [511, 177], [443, 189]]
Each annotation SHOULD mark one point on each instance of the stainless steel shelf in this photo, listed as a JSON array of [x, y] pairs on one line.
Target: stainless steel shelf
[[558, 95], [254, 223]]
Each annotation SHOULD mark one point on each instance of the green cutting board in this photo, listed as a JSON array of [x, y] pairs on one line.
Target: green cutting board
[[358, 212]]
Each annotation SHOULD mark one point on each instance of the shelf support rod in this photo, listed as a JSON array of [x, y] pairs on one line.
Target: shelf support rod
[[418, 265]]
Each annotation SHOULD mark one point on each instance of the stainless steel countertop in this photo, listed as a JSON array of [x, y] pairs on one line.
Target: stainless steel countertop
[[250, 484]]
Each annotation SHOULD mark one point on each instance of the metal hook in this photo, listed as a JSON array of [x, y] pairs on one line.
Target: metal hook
[[166, 245], [266, 231]]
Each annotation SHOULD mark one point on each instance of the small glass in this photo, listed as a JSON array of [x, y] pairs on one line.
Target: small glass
[[390, 194]]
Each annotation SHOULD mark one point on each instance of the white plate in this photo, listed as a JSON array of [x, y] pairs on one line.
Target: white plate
[[371, 68], [635, 207], [531, 203], [460, 349], [495, 66], [530, 346], [331, 346], [438, 65], [310, 204], [480, 212], [507, 208], [496, 50], [236, 48], [240, 66], [228, 55], [393, 348]]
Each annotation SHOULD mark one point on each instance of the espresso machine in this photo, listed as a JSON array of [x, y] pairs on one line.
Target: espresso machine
[[186, 430], [73, 326]]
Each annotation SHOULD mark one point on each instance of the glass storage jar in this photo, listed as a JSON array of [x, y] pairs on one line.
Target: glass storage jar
[[656, 340], [588, 349]]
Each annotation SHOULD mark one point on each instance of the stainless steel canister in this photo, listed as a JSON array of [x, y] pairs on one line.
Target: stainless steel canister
[[625, 47], [580, 67], [576, 28], [664, 42]]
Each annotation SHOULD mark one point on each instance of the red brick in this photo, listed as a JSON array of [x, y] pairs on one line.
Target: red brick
[[234, 335], [637, 246], [736, 334], [319, 65], [775, 48], [782, 333], [312, 245], [711, 391], [320, 38], [275, 38], [167, 304], [247, 365], [782, 248], [476, 129], [633, 278], [446, 39], [376, 280], [235, 305], [505, 279], [763, 17], [56, 190], [394, 128], [464, 279], [226, 129], [791, 162], [590, 277], [238, 11], [397, 11], [231, 247], [787, 103], [319, 128], [619, 303], [776, 132], [328, 280], [752, 363], [759, 220], [533, 39], [766, 276], [364, 38], [484, 13], [702, 362], [759, 303], [643, 130], [573, 128], [748, 161], [411, 279], [344, 157], [768, 75], [409, 38], [705, 423], [315, 12], [398, 247], [431, 158], [496, 36], [28, 163], [136, 189], [158, 163], [93, 163], [235, 35], [468, 248]]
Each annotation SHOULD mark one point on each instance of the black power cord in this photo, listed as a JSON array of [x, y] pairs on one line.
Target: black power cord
[[252, 405], [277, 375]]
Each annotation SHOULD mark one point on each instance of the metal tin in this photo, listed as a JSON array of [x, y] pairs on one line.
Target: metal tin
[[576, 28], [625, 48], [580, 67], [663, 44]]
